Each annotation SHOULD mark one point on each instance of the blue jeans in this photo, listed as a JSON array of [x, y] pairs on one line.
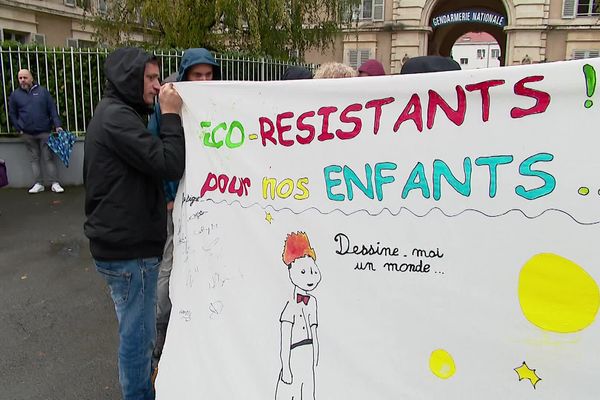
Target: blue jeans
[[132, 286]]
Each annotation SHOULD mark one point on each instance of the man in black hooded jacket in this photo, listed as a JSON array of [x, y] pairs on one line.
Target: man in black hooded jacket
[[124, 169]]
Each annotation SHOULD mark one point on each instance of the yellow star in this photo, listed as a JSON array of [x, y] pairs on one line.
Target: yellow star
[[268, 217], [525, 372]]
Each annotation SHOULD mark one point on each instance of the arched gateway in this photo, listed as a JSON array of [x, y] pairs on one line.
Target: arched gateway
[[450, 19]]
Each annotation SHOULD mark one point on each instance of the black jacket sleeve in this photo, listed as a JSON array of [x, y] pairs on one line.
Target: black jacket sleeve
[[161, 157]]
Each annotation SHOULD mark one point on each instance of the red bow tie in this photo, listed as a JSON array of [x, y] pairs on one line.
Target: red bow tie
[[300, 298]]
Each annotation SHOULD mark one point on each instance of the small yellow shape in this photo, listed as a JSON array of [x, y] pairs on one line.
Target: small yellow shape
[[525, 372], [253, 136], [442, 364], [268, 217], [583, 191], [557, 295]]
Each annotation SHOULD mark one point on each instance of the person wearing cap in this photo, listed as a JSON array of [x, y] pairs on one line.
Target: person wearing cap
[[126, 223], [197, 64], [371, 68]]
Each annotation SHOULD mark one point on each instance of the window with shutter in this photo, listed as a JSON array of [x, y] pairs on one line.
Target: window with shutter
[[358, 56], [378, 10], [587, 8], [72, 43], [38, 38], [366, 9], [353, 58], [569, 8], [581, 54], [365, 54]]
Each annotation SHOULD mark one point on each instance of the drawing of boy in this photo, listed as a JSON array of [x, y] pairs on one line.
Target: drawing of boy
[[299, 350]]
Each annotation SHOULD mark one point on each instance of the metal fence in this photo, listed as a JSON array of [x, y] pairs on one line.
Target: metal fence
[[75, 77]]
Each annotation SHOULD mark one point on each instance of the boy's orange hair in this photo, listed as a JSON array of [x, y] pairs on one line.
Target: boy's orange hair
[[297, 246]]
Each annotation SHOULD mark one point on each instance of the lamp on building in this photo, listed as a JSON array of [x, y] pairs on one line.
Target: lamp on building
[[526, 59]]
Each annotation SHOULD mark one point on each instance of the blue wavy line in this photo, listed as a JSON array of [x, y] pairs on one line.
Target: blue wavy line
[[400, 210]]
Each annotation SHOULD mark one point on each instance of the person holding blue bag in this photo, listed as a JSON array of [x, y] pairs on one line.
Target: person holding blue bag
[[33, 113]]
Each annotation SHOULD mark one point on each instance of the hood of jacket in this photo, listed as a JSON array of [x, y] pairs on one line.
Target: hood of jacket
[[124, 70], [372, 68], [296, 72], [197, 56], [417, 65]]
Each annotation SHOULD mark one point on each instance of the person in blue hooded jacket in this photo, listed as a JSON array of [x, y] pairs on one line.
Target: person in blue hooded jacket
[[197, 64]]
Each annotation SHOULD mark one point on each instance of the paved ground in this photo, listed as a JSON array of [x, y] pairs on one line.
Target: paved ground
[[58, 334]]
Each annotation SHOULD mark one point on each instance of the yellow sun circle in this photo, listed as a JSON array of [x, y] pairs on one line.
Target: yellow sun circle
[[557, 295], [442, 364]]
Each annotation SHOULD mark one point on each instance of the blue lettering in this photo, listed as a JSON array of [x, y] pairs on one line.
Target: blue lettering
[[412, 183], [440, 168], [525, 170], [331, 183], [492, 162]]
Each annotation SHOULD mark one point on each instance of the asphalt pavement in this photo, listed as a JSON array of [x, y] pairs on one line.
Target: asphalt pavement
[[58, 329]]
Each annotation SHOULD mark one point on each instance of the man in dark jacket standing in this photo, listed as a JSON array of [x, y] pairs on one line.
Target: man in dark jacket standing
[[124, 169], [33, 114]]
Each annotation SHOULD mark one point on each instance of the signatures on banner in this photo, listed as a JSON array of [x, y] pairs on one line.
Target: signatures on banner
[[416, 260]]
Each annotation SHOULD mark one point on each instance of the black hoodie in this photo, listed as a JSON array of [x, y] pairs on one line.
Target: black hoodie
[[124, 165], [422, 64]]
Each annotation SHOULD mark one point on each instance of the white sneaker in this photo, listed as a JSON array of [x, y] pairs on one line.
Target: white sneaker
[[56, 188], [36, 188]]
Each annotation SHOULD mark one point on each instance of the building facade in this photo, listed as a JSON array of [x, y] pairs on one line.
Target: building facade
[[476, 50], [56, 23], [527, 31]]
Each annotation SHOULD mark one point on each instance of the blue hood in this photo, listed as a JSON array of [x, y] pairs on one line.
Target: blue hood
[[193, 57]]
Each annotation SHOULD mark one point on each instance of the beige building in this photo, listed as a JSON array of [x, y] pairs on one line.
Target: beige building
[[527, 31], [48, 22], [53, 23]]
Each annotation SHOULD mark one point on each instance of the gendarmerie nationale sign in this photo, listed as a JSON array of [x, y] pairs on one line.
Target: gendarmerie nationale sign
[[474, 16]]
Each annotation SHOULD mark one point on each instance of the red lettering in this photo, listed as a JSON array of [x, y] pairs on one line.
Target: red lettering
[[222, 182], [246, 182], [377, 104], [281, 129], [416, 115], [210, 184], [326, 112], [456, 116], [484, 88], [305, 127], [241, 189], [542, 99], [266, 134], [350, 120]]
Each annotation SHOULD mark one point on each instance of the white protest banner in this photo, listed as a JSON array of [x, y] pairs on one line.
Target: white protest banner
[[409, 237]]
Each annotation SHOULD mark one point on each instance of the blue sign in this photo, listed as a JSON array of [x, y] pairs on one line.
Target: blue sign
[[469, 16]]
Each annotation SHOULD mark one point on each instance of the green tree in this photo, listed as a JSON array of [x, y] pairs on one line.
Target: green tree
[[277, 28]]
